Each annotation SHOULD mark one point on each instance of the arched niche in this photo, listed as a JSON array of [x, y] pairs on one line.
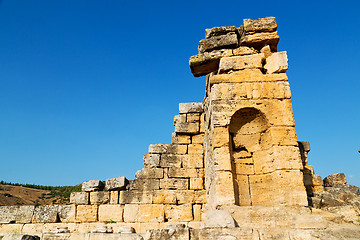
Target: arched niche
[[247, 128]]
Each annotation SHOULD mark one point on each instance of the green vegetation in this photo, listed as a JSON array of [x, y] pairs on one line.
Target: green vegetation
[[61, 193], [8, 195]]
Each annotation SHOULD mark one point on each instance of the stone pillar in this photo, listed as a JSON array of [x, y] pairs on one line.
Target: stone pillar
[[251, 150]]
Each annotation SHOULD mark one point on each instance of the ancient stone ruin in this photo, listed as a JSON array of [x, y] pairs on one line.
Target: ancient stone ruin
[[234, 169]]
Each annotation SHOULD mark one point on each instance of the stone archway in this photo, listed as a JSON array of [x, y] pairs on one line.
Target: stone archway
[[247, 128]]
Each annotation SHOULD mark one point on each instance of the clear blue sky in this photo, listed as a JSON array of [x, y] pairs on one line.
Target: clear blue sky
[[87, 85]]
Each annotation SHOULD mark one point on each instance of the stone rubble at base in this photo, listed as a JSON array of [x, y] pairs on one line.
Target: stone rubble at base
[[234, 169]]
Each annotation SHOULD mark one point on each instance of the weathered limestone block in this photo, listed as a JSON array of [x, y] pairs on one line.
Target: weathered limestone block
[[193, 117], [167, 148], [207, 62], [114, 197], [151, 213], [192, 107], [46, 214], [24, 214], [187, 128], [259, 40], [277, 158], [92, 185], [193, 160], [243, 50], [250, 90], [67, 213], [169, 234], [247, 75], [144, 184], [164, 197], [174, 183], [31, 228], [99, 197], [195, 149], [220, 137], [199, 138], [111, 213], [184, 173], [276, 63], [218, 31], [219, 219], [179, 213], [266, 50], [179, 119], [222, 158], [267, 24], [127, 197], [196, 183], [131, 212], [224, 189], [151, 160], [243, 168], [86, 213], [171, 160], [8, 214], [279, 136], [241, 62], [243, 190], [180, 139], [118, 183], [333, 179], [248, 141], [280, 188], [150, 173], [11, 228], [229, 40], [80, 198], [191, 196]]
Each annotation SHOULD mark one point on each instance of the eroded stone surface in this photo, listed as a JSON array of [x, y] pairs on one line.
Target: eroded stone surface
[[46, 214], [333, 179], [229, 40], [92, 185], [277, 63], [118, 183]]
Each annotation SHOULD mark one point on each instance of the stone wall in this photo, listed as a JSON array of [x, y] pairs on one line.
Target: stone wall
[[170, 189]]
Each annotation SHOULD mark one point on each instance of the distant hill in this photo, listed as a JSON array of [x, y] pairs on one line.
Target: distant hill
[[17, 194]]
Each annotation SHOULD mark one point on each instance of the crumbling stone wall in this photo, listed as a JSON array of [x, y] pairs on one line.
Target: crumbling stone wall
[[170, 189], [251, 152]]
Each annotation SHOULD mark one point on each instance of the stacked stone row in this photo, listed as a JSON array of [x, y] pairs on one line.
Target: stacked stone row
[[253, 37]]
